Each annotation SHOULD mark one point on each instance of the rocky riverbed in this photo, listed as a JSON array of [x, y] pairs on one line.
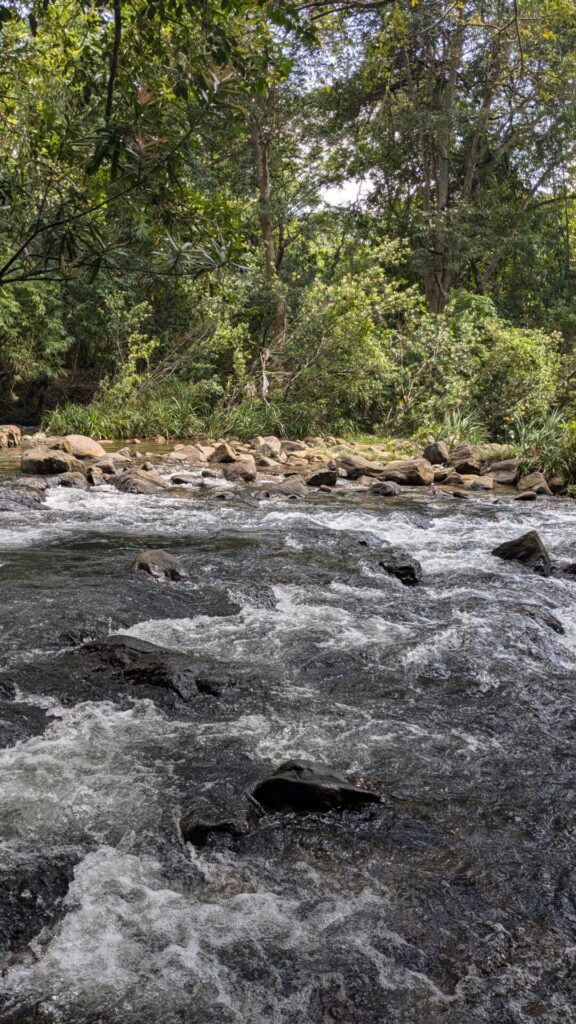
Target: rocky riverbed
[[285, 743]]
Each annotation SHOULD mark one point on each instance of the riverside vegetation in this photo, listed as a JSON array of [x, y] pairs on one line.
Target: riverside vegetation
[[242, 219]]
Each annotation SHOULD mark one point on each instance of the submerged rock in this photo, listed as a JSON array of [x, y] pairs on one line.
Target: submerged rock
[[405, 568], [386, 489], [300, 786], [139, 662], [527, 549], [160, 565]]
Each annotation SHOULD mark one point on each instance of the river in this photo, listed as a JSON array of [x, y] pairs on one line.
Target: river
[[451, 902]]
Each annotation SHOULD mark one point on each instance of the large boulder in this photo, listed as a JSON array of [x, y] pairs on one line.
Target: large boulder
[[300, 786], [48, 461], [505, 472], [527, 549], [409, 472], [190, 453], [356, 466], [534, 482], [437, 453], [83, 447], [244, 470], [159, 564], [10, 436]]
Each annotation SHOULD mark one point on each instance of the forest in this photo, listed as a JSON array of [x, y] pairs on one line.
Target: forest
[[350, 217]]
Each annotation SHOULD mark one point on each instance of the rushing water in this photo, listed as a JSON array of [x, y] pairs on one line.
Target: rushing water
[[452, 902]]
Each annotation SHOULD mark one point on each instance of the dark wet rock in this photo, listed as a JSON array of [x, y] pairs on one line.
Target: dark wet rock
[[322, 477], [460, 494], [31, 897], [386, 489], [76, 480], [505, 472], [468, 466], [137, 481], [49, 461], [220, 809], [405, 568], [138, 662], [242, 470], [300, 786], [527, 549], [437, 453], [18, 720], [160, 564], [409, 472], [94, 476], [534, 482]]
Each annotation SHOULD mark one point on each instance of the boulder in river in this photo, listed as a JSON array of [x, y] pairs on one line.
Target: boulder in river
[[405, 568], [322, 477], [243, 469], [437, 453], [505, 472], [409, 472], [291, 485], [83, 447], [300, 786], [527, 549], [77, 480], [137, 481], [141, 663], [386, 489], [160, 564], [355, 466], [10, 436], [223, 453], [49, 461], [534, 482]]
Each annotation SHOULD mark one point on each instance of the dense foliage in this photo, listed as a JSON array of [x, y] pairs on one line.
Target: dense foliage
[[238, 217]]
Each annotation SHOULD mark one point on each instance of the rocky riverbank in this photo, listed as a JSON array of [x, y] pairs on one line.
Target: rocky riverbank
[[292, 468]]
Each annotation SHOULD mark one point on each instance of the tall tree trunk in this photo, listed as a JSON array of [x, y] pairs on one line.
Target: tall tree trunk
[[261, 149]]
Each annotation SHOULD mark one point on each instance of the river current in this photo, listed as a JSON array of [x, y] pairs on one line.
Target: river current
[[452, 902]]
